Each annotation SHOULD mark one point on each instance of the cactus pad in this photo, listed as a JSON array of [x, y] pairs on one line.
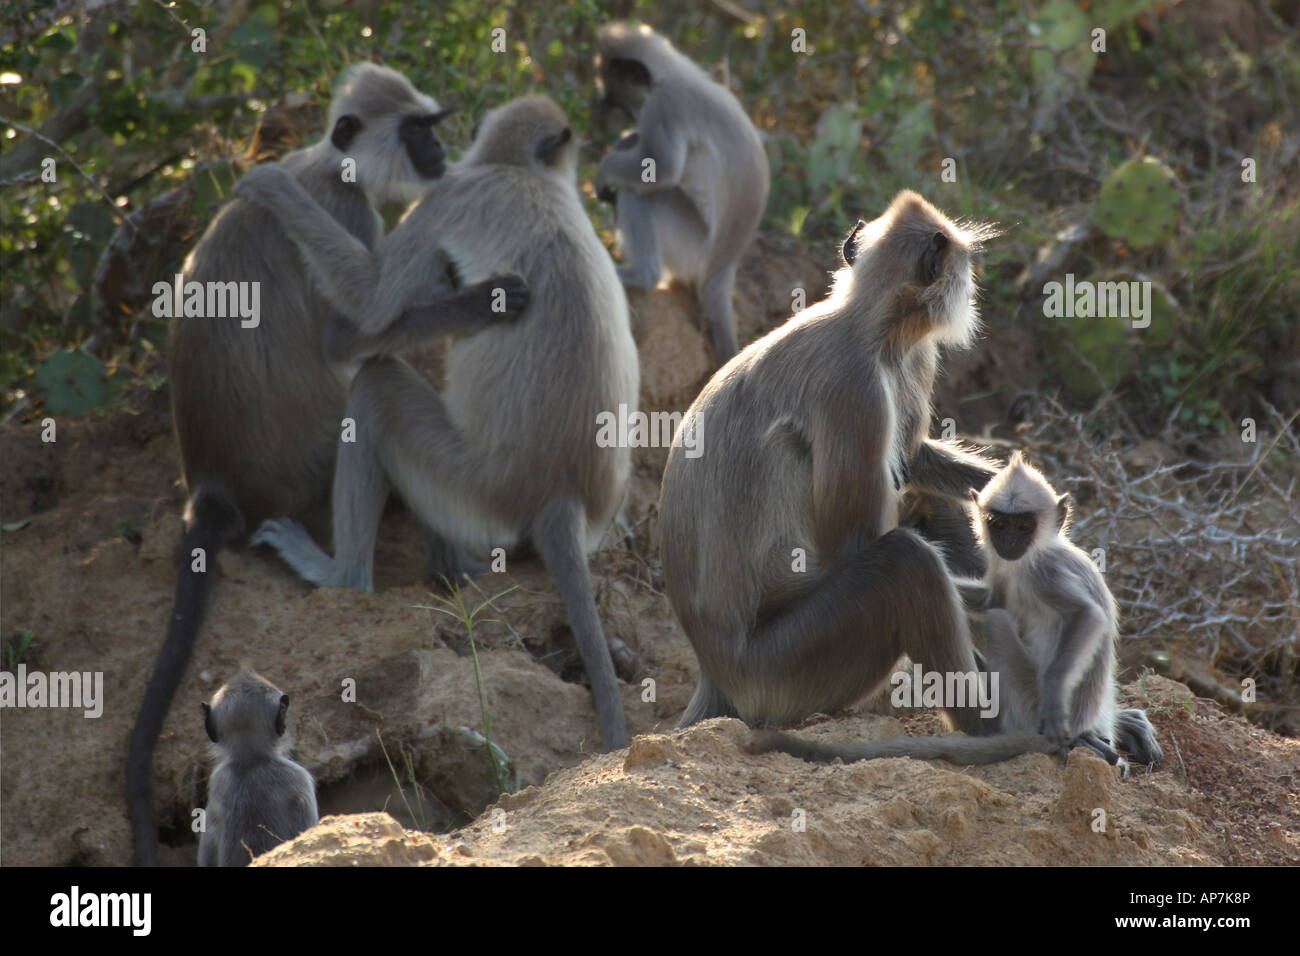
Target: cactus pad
[[1139, 204]]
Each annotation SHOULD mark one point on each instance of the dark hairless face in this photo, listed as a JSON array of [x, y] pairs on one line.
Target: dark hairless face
[[281, 711], [626, 83], [422, 145], [1010, 533]]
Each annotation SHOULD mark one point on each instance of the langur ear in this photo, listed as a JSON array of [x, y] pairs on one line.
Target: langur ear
[[1064, 508], [280, 715], [548, 149], [345, 130], [852, 244], [932, 259], [207, 722]]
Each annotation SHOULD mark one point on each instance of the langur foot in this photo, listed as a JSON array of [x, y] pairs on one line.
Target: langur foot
[[298, 550]]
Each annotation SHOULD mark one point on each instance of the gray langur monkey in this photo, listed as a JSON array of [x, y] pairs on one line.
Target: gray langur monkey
[[257, 797], [782, 554], [1051, 636], [509, 452], [695, 209], [258, 410]]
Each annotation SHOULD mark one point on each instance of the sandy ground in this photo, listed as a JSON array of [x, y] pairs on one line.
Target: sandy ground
[[91, 574]]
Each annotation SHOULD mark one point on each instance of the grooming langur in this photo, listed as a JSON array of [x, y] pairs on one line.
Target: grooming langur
[[258, 410], [508, 453], [257, 797], [1050, 636], [782, 554], [690, 187]]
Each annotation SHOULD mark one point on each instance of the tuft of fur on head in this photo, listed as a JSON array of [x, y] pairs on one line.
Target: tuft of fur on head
[[638, 41], [894, 251], [382, 98], [1020, 488], [513, 135]]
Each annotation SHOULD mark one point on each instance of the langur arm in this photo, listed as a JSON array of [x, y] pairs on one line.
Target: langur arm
[[852, 490], [623, 168], [945, 468], [605, 192], [975, 594], [1083, 629], [452, 311], [340, 263], [207, 847]]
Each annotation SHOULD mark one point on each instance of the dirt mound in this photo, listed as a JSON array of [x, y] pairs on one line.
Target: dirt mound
[[696, 797], [89, 570]]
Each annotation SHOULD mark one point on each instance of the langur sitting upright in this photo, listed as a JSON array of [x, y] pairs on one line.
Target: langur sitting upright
[[1051, 639], [690, 185]]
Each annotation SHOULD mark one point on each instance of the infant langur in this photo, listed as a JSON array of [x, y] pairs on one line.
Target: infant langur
[[690, 184], [1051, 635], [257, 797]]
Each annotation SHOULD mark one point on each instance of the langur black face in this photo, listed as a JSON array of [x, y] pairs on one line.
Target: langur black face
[[414, 132], [422, 144], [1011, 534], [281, 712], [626, 83]]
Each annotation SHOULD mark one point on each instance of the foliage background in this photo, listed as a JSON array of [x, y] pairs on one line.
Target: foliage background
[[1009, 90], [1041, 131]]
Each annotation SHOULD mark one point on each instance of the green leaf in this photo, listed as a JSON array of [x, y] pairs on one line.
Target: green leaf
[[74, 383]]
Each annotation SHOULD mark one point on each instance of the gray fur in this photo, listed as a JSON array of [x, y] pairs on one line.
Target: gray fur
[[507, 453], [257, 797], [1050, 636], [257, 410], [801, 445], [711, 175]]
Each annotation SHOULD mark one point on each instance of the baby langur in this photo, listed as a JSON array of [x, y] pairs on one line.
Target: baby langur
[[258, 408], [691, 184], [1051, 637], [257, 797], [782, 552], [510, 451]]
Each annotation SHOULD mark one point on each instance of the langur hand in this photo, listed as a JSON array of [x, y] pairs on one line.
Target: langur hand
[[502, 298], [605, 191]]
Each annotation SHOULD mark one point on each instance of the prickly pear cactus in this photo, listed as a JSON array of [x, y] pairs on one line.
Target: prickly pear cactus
[[1139, 204], [74, 382], [1106, 343]]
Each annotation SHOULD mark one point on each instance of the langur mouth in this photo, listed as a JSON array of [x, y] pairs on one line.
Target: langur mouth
[[432, 169]]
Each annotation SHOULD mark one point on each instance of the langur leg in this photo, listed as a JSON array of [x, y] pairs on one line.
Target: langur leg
[[839, 641], [640, 239], [360, 491], [1017, 674], [715, 300], [708, 701], [445, 561], [559, 533]]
